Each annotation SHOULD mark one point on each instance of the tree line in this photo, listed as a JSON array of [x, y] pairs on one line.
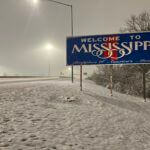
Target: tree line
[[129, 79]]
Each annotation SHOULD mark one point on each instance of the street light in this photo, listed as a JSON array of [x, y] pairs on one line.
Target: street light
[[71, 11]]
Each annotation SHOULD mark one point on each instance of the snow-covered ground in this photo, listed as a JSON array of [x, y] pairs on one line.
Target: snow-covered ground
[[56, 115]]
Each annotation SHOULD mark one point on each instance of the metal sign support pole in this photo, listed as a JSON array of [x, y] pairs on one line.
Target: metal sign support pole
[[72, 77], [80, 77], [111, 81], [144, 84]]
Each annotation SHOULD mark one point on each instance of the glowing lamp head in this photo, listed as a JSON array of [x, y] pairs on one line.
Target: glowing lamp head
[[35, 1], [48, 46]]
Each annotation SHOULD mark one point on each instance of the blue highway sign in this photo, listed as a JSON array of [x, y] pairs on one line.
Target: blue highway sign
[[129, 48]]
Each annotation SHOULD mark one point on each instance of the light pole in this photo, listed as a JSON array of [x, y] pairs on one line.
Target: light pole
[[71, 11]]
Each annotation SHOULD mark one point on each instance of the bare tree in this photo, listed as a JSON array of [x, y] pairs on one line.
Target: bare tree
[[139, 23]]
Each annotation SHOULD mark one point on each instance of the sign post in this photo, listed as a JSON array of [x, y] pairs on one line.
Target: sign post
[[80, 77], [111, 80], [144, 83]]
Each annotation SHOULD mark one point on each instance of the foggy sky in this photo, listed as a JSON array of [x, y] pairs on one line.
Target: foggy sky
[[26, 28]]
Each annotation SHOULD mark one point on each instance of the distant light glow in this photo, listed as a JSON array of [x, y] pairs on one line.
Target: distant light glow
[[69, 68], [35, 2]]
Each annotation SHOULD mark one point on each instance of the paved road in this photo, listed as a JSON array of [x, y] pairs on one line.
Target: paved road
[[15, 80]]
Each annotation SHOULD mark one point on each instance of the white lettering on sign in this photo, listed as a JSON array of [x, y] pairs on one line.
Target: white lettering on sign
[[100, 39], [123, 49], [146, 45]]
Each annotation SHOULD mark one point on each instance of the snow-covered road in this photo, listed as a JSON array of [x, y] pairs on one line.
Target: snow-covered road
[[55, 115]]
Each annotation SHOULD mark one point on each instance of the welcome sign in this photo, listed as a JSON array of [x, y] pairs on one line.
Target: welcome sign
[[109, 49]]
